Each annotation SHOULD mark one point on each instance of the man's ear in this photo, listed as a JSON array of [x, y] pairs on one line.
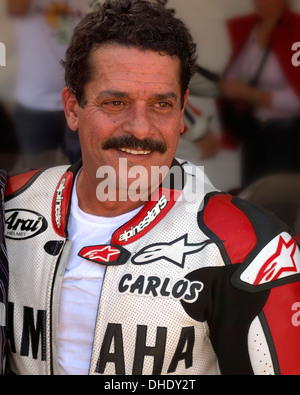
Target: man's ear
[[182, 128], [71, 108]]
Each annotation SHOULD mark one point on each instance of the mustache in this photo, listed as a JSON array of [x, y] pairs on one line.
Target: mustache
[[131, 142]]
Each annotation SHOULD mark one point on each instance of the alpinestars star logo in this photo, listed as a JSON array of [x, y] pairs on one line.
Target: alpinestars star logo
[[278, 260], [175, 252], [105, 254], [283, 261]]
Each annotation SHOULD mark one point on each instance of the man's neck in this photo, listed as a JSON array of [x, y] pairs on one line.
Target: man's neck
[[110, 206]]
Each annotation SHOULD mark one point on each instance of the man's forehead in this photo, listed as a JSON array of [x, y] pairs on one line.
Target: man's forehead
[[136, 62]]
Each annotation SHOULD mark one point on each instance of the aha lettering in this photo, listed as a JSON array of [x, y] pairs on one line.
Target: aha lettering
[[33, 344], [115, 355]]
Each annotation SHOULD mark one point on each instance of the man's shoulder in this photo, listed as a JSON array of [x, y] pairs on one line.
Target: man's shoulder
[[252, 238], [19, 183]]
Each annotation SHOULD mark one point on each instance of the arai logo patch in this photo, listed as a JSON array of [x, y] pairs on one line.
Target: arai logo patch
[[23, 224]]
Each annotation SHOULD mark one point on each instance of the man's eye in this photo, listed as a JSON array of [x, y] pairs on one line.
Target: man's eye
[[116, 103], [163, 104]]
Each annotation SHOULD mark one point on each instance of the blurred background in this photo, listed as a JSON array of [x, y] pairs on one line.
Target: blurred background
[[36, 34]]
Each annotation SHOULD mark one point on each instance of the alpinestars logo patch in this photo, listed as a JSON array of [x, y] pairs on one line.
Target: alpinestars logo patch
[[108, 255], [283, 261], [175, 252], [278, 260]]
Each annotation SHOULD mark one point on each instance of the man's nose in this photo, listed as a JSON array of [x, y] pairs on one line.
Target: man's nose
[[139, 121]]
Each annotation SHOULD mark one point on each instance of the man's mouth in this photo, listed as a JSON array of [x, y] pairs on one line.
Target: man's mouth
[[135, 152]]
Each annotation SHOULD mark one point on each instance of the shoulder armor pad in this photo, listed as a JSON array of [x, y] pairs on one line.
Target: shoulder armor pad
[[261, 245], [275, 260], [17, 184], [229, 226]]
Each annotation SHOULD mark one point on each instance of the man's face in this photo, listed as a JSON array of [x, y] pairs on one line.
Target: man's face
[[133, 109]]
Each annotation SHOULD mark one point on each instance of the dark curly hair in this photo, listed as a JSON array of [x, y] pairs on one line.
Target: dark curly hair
[[130, 23]]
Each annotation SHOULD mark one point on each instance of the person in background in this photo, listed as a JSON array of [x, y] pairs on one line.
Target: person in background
[[43, 29], [261, 90]]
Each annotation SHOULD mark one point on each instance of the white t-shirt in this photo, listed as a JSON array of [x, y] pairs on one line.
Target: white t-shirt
[[81, 288], [42, 37]]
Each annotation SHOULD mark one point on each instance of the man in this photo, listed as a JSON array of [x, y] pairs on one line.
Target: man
[[3, 278], [120, 268]]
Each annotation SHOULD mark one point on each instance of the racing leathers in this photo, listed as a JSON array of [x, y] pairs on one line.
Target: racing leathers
[[3, 278], [199, 282]]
